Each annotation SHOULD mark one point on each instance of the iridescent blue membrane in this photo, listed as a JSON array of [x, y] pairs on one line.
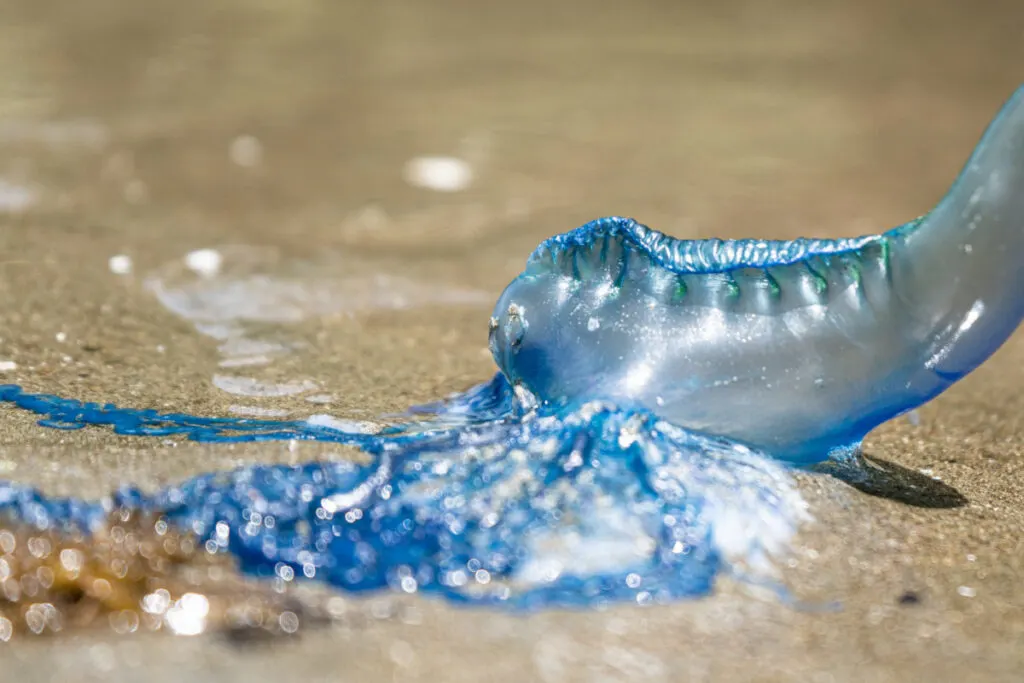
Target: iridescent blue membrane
[[487, 502]]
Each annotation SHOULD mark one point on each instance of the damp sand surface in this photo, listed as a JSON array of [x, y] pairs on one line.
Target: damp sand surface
[[309, 208]]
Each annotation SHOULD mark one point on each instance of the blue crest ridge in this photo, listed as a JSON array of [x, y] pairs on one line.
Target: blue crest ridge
[[705, 257]]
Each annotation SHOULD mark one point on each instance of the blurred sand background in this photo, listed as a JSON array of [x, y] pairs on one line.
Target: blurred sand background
[[153, 129]]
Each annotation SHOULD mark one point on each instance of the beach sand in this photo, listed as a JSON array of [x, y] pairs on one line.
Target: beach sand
[[279, 134]]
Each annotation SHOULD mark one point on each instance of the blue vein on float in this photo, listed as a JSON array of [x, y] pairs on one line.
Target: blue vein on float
[[653, 393]]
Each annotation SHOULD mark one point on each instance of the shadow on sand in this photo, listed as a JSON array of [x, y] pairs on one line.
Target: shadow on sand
[[884, 479]]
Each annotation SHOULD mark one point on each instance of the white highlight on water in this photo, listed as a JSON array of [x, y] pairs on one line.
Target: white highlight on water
[[256, 411], [232, 293], [15, 198], [244, 361], [121, 264], [617, 544], [246, 151], [248, 386], [347, 426], [438, 173], [236, 287], [187, 616], [205, 262]]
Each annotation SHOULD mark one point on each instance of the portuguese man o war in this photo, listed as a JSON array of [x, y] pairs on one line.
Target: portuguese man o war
[[652, 395], [797, 348]]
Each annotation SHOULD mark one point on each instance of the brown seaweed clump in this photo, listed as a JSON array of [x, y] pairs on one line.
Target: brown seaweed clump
[[136, 574]]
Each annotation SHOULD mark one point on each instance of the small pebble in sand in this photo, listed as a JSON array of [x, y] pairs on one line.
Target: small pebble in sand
[[205, 262], [8, 365], [909, 598], [441, 174], [966, 591]]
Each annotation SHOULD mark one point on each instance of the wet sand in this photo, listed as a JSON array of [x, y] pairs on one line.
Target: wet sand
[[117, 124]]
